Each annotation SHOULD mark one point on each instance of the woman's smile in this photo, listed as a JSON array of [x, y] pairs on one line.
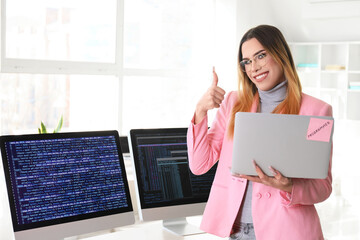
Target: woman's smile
[[260, 77]]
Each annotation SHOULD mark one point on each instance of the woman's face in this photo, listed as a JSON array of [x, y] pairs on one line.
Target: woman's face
[[262, 70]]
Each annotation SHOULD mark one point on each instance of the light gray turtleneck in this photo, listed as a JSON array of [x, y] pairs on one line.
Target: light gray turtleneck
[[270, 99]]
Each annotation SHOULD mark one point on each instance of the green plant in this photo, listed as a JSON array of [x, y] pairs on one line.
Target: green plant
[[42, 129]]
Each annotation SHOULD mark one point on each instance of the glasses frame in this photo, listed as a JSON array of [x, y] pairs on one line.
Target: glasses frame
[[259, 61]]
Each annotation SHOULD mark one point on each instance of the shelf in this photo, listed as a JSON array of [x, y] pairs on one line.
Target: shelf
[[334, 71], [342, 60], [354, 91]]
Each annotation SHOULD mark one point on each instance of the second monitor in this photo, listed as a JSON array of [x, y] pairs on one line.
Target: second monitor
[[166, 188]]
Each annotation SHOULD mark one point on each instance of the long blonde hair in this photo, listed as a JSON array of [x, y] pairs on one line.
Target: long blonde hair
[[275, 45]]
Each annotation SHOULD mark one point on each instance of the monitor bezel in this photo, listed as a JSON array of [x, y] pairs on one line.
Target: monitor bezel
[[140, 193], [124, 144], [22, 227]]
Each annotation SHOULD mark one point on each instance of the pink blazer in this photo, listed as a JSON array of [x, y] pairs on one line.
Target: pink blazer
[[276, 214]]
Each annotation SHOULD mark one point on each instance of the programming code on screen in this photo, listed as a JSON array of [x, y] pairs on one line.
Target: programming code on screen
[[165, 173], [58, 178]]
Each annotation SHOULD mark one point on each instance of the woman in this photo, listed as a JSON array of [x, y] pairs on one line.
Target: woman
[[256, 207]]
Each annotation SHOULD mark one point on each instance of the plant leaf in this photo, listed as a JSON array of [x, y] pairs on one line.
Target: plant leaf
[[59, 126], [43, 128]]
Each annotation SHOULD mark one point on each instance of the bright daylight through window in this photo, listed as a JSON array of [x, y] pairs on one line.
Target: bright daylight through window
[[102, 63]]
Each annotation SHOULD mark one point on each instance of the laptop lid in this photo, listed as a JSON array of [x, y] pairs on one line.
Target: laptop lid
[[296, 145]]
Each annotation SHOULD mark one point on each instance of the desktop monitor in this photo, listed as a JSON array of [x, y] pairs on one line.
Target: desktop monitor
[[166, 188], [65, 184]]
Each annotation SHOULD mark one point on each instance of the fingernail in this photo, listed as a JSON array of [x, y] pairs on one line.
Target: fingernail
[[272, 170], [254, 162]]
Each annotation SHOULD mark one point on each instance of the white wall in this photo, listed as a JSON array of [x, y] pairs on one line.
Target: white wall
[[303, 20]]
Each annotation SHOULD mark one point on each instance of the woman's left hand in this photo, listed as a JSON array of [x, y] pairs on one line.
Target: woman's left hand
[[278, 181]]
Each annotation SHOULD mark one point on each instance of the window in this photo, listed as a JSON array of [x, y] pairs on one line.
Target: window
[[167, 34], [168, 57], [61, 30], [45, 44], [157, 102], [86, 102], [103, 64]]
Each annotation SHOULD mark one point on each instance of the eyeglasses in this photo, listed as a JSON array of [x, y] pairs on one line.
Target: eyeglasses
[[259, 59]]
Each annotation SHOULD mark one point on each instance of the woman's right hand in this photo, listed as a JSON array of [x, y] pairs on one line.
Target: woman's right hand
[[211, 99]]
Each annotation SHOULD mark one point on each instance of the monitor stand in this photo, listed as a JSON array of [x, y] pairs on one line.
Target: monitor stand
[[180, 226]]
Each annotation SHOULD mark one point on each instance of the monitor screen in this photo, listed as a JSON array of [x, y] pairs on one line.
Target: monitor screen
[[166, 187], [65, 184]]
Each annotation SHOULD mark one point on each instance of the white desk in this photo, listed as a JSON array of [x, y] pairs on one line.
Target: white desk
[[141, 230], [151, 231]]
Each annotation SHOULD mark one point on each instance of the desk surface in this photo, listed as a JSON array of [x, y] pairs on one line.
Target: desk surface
[[152, 231], [141, 230]]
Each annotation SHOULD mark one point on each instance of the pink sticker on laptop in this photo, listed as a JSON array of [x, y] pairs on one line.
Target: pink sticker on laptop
[[320, 129]]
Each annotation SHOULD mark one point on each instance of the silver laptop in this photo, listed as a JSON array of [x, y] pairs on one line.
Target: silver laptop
[[298, 146]]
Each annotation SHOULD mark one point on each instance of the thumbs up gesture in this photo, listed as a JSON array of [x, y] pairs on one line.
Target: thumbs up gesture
[[211, 99]]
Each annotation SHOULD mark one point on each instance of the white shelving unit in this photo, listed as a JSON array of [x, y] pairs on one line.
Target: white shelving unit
[[331, 72]]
